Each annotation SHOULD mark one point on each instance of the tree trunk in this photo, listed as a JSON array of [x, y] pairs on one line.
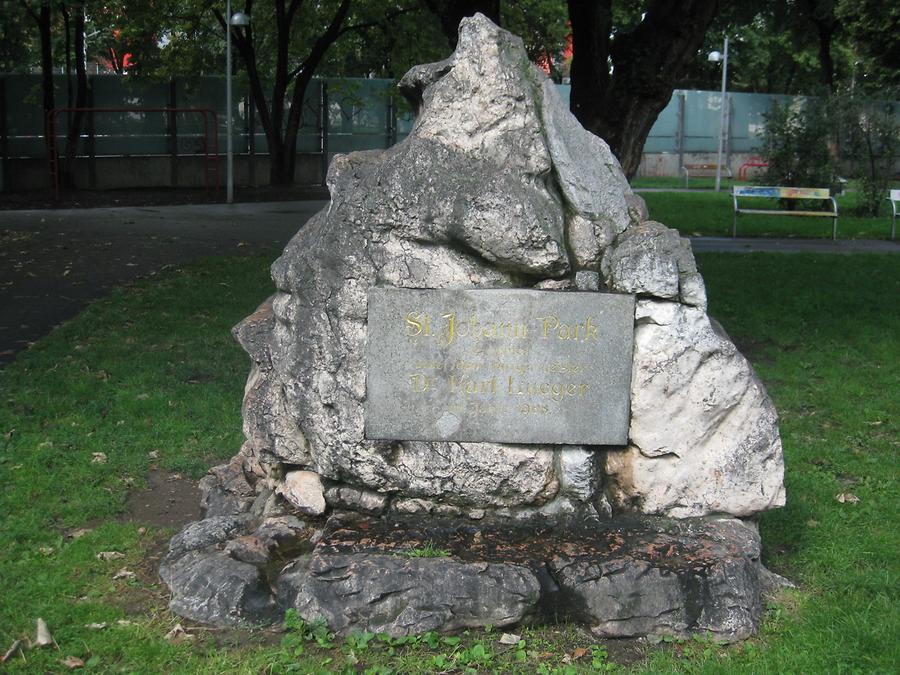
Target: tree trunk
[[43, 22], [451, 12], [74, 133], [67, 27], [278, 161], [826, 63], [621, 107]]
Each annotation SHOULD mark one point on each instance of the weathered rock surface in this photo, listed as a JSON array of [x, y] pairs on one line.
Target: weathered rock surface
[[700, 579], [304, 490], [590, 178], [704, 433], [407, 596], [497, 185], [636, 577], [213, 588], [207, 532], [652, 260], [356, 499]]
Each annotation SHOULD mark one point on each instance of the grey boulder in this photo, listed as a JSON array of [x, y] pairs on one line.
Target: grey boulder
[[213, 588], [407, 596]]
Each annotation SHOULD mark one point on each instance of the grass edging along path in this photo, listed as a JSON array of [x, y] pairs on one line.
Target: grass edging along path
[[151, 377], [709, 214]]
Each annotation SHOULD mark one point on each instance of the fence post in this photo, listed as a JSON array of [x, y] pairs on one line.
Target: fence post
[[729, 102], [173, 133], [679, 133], [4, 138], [323, 127], [250, 130], [91, 136]]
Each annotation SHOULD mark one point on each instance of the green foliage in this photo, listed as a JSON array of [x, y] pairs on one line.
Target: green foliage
[[869, 133], [428, 550], [299, 632], [796, 144], [872, 28], [543, 26]]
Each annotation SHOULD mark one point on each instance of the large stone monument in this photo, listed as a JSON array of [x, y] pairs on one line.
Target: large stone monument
[[483, 348]]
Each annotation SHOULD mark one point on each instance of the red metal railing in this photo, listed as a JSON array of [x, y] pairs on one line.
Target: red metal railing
[[210, 133], [753, 163]]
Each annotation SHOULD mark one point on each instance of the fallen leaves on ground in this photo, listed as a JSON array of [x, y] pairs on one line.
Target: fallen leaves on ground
[[847, 498], [109, 555], [178, 635], [14, 649], [42, 637]]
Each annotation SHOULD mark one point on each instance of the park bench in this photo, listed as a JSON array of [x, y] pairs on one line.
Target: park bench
[[754, 191], [702, 170], [894, 198]]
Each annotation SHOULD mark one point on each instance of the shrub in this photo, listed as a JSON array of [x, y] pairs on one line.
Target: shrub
[[869, 139], [797, 144]]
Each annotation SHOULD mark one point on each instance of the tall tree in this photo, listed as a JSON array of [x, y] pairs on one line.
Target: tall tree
[[290, 83], [821, 14], [73, 133], [319, 26], [620, 103], [43, 17], [872, 28]]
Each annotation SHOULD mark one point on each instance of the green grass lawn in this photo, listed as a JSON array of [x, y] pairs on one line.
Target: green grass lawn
[[709, 214], [153, 369]]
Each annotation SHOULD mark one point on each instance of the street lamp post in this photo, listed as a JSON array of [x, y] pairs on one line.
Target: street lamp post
[[237, 19], [723, 57]]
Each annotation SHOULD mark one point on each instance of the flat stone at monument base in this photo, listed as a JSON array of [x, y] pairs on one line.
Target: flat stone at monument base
[[499, 365], [626, 577]]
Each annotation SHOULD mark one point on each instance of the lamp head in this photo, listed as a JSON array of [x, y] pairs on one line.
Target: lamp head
[[239, 19], [714, 56]]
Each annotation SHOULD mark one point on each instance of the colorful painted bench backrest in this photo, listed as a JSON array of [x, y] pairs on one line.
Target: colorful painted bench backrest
[[781, 192]]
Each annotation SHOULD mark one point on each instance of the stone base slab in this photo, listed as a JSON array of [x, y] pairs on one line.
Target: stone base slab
[[628, 577]]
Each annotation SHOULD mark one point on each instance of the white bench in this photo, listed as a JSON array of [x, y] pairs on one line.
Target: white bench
[[754, 191], [894, 199]]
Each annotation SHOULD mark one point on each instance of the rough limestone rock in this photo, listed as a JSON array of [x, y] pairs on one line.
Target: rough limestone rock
[[681, 587], [496, 186], [407, 596], [704, 434], [590, 178], [356, 499], [304, 490], [652, 260], [207, 532], [211, 587]]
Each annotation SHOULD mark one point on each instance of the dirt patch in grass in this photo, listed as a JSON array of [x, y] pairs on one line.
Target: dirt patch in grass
[[170, 500]]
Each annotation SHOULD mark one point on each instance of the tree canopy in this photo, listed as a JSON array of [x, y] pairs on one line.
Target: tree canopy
[[628, 54]]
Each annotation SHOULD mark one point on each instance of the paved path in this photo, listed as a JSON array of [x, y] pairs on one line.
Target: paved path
[[54, 262], [757, 245]]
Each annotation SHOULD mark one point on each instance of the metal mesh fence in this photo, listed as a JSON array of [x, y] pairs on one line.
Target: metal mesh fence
[[358, 114]]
